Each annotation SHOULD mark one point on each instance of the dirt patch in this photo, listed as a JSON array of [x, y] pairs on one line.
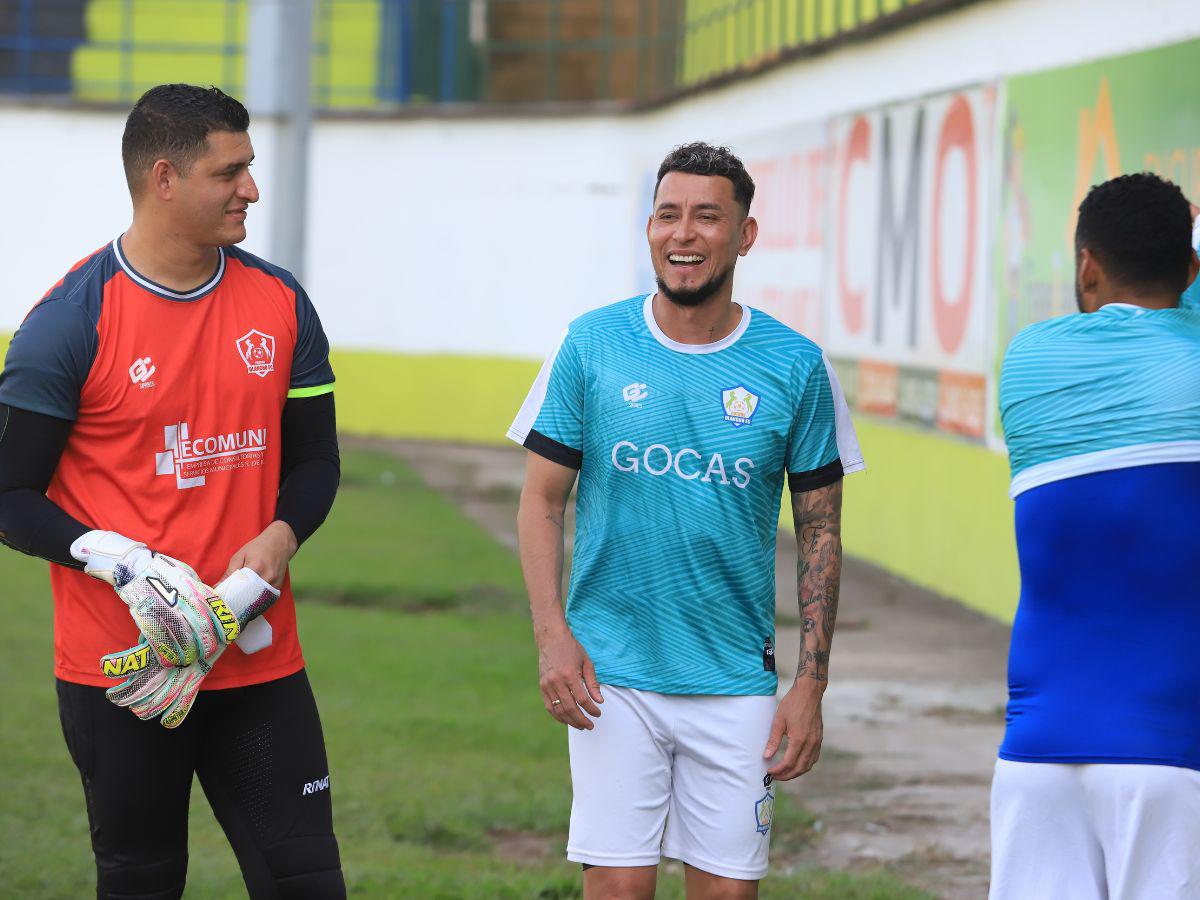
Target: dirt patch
[[913, 714], [483, 597], [526, 846]]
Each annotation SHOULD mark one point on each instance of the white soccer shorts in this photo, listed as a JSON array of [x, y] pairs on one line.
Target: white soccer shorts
[[1095, 832], [673, 775]]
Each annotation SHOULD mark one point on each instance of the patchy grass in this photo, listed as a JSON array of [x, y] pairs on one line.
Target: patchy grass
[[393, 543], [449, 781]]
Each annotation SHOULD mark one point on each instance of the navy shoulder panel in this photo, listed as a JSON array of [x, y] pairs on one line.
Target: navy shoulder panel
[[257, 262], [52, 352]]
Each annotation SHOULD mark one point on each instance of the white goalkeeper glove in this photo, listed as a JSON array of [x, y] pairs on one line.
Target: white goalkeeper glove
[[182, 618], [151, 689]]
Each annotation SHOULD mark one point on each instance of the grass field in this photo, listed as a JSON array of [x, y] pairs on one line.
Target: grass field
[[449, 781]]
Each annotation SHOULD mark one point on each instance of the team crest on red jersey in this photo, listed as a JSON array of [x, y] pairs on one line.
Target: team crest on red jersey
[[257, 351]]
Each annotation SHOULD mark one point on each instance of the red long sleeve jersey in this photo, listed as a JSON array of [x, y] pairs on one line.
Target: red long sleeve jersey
[[176, 401]]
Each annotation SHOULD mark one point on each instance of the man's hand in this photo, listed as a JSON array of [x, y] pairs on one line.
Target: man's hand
[[799, 718], [152, 690], [182, 618], [565, 671], [818, 516], [568, 680], [268, 554]]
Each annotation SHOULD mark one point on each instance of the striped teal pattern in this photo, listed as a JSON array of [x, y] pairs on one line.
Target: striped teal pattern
[[1191, 297], [1123, 376], [673, 580]]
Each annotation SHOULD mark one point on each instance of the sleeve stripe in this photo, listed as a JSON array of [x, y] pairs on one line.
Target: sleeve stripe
[[847, 437], [316, 391], [830, 473], [552, 450], [523, 423]]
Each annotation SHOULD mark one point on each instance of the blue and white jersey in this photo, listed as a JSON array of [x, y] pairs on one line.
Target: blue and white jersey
[[1191, 296], [1107, 390], [1101, 414], [682, 451]]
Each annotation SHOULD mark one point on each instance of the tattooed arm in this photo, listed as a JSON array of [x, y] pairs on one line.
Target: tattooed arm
[[565, 671], [818, 518]]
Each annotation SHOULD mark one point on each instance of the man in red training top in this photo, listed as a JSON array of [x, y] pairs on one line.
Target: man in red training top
[[168, 407]]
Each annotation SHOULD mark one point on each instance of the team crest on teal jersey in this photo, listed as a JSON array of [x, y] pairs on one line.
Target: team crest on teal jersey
[[764, 812], [740, 405]]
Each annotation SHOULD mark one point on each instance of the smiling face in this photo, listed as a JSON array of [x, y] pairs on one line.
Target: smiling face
[[210, 202], [696, 233]]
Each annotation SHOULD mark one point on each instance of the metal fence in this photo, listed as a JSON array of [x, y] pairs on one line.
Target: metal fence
[[393, 53]]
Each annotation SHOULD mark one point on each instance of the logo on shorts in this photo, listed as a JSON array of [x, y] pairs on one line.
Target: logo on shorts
[[257, 351], [740, 405], [321, 784], [764, 809]]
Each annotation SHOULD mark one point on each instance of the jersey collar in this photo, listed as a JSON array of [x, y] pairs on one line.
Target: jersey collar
[[165, 292], [728, 341]]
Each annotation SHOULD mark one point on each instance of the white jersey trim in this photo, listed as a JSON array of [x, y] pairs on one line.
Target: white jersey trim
[[532, 407], [728, 341], [847, 438], [1104, 461], [156, 288]]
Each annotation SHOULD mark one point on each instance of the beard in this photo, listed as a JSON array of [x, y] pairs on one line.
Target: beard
[[697, 295]]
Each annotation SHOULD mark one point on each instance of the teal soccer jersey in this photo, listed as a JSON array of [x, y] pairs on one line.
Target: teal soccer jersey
[[682, 453]]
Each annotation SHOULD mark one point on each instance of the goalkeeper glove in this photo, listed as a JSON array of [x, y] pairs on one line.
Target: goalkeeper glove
[[152, 689], [181, 617]]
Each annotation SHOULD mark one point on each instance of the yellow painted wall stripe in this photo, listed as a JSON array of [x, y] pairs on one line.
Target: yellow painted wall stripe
[[932, 509]]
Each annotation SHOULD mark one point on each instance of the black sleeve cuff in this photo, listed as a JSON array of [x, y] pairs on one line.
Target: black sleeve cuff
[[831, 473], [553, 450]]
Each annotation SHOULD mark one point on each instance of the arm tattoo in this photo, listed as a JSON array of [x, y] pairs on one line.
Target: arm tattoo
[[818, 516]]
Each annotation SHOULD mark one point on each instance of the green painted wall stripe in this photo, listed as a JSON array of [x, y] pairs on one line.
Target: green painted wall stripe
[[311, 391]]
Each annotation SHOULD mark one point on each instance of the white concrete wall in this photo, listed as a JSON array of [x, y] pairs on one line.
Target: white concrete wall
[[64, 191], [477, 236], [488, 235]]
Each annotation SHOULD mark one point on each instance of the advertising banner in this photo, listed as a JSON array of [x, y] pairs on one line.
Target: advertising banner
[[914, 240], [782, 273], [905, 292], [1065, 131]]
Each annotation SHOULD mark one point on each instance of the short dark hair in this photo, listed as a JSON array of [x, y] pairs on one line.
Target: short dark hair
[[172, 122], [699, 158], [1139, 227]]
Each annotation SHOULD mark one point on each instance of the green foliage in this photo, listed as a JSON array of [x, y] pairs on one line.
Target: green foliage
[[449, 781]]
